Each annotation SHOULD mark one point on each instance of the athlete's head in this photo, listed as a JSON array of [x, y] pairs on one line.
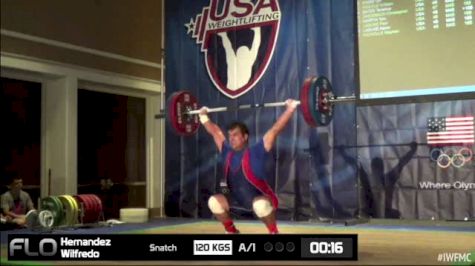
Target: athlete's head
[[238, 136]]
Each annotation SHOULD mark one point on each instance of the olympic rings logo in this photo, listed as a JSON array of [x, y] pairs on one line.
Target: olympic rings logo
[[450, 156]]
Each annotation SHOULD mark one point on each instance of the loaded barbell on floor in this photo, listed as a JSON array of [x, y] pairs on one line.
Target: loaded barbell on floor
[[316, 102]]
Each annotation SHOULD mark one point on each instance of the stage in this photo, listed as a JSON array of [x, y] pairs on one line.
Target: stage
[[380, 242]]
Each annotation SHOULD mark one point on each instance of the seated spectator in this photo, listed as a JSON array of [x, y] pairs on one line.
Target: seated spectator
[[16, 203]]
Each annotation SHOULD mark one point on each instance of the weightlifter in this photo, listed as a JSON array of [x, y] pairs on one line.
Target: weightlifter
[[244, 169]]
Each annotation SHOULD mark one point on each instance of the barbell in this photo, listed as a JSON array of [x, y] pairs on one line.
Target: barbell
[[316, 101]]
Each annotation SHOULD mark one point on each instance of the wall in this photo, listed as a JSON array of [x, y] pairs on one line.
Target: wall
[[117, 36]]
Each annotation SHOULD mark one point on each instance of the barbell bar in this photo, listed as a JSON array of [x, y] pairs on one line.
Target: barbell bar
[[239, 107], [264, 105], [316, 103], [258, 105]]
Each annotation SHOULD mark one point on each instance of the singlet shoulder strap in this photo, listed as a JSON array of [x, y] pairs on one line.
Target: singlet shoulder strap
[[256, 181]]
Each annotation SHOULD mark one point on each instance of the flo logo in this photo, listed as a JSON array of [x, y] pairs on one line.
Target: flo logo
[[238, 39]]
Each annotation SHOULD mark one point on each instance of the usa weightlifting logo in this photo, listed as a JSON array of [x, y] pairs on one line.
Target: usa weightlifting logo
[[238, 38]]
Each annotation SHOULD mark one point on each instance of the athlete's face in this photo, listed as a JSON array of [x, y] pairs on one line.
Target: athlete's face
[[237, 139]]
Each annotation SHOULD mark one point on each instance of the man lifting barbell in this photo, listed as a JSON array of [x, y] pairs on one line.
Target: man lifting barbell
[[244, 169], [243, 164], [316, 103]]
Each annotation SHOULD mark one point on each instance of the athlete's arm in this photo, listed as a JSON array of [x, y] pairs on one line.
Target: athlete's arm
[[212, 128], [273, 132], [6, 202]]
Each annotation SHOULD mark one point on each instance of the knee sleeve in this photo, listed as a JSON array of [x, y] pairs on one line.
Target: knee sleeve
[[215, 206], [262, 208]]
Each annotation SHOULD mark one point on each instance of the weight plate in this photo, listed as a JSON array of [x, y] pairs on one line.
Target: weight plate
[[305, 105], [179, 103], [322, 109], [98, 204], [80, 208], [74, 204], [68, 212], [59, 218], [70, 209], [93, 209], [85, 207], [46, 218], [312, 101], [75, 208], [31, 219], [54, 205]]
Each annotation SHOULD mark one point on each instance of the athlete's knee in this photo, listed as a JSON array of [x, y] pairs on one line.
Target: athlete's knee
[[216, 205], [262, 207]]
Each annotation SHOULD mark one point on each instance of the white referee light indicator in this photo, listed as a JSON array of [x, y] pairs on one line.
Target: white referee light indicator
[[268, 247], [290, 246]]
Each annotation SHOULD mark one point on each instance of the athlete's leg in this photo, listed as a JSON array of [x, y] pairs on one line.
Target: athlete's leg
[[263, 208], [219, 206]]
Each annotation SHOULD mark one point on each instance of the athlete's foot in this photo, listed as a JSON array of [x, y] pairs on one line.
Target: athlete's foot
[[229, 227], [272, 228]]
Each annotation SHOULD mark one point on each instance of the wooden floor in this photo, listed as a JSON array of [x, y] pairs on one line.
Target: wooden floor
[[382, 242]]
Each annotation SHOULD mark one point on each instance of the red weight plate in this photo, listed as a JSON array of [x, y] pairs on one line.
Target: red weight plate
[[178, 104], [94, 208], [98, 202], [304, 102], [88, 208]]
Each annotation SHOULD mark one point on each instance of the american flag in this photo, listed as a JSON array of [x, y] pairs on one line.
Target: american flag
[[450, 130]]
